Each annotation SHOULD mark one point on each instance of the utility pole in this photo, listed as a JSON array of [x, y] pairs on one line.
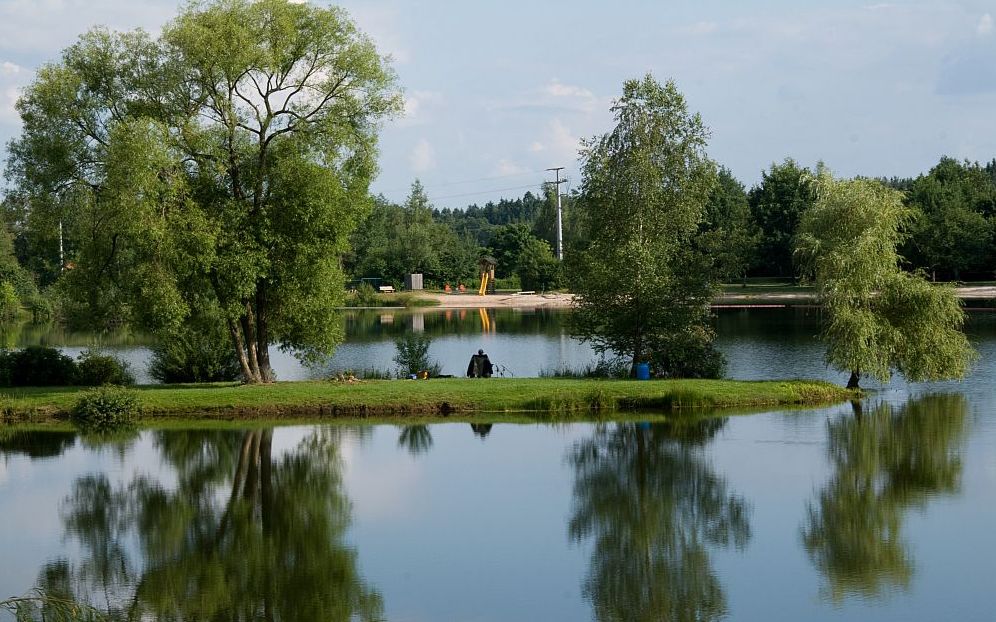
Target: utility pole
[[62, 257], [560, 220]]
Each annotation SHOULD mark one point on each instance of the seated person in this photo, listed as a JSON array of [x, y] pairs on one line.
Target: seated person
[[480, 366]]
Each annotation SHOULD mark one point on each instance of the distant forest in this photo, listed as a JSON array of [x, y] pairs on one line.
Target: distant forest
[[748, 232]]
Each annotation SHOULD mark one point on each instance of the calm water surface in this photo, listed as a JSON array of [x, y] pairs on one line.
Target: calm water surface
[[887, 512]]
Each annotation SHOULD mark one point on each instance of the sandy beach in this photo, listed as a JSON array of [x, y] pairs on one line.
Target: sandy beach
[[562, 300]]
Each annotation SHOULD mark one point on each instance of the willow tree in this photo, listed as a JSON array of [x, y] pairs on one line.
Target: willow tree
[[219, 167], [642, 289], [878, 318]]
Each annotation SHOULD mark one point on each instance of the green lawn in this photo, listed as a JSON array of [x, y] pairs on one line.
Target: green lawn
[[438, 397]]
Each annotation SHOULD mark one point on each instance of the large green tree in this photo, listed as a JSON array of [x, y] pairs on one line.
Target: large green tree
[[955, 205], [877, 318], [642, 290], [727, 234], [776, 205], [223, 163]]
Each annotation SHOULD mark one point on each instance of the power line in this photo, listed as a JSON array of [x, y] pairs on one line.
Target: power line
[[468, 194], [471, 181]]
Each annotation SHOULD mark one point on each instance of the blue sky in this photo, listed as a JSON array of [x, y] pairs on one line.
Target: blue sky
[[497, 91]]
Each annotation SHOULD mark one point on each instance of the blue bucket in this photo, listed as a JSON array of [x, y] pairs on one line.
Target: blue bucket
[[643, 371]]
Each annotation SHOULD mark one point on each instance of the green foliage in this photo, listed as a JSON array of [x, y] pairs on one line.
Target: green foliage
[[412, 355], [727, 234], [639, 283], [366, 295], [223, 164], [9, 304], [106, 409], [775, 206], [878, 318], [395, 240], [36, 366], [536, 266], [198, 352], [955, 205], [95, 369], [690, 354]]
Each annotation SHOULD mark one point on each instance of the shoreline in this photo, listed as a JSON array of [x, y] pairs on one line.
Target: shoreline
[[750, 297], [436, 399]]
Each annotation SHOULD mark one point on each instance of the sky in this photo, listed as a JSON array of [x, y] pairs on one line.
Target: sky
[[496, 91]]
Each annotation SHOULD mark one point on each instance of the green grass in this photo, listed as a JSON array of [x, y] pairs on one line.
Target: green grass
[[432, 398]]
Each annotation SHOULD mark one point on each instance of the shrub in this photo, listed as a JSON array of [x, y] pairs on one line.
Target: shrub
[[106, 409], [95, 369], [366, 295], [413, 355], [40, 308], [688, 356], [37, 366], [199, 352], [9, 303]]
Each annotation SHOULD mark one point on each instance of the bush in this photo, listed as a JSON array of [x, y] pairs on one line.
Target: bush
[[413, 355], [36, 366], [688, 356], [199, 352], [537, 268], [40, 308], [106, 409], [366, 295], [9, 303], [95, 369]]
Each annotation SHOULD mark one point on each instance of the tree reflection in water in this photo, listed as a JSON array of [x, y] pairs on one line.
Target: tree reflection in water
[[242, 535], [886, 461], [649, 499]]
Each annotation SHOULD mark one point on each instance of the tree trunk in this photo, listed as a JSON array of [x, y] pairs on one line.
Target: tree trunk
[[247, 374], [263, 334], [852, 382]]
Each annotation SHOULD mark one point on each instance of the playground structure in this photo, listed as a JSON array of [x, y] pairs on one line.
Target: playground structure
[[487, 266]]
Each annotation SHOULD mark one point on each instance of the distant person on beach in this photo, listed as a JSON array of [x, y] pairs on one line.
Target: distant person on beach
[[480, 366]]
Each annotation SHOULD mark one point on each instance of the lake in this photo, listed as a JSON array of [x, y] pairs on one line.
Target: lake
[[881, 511]]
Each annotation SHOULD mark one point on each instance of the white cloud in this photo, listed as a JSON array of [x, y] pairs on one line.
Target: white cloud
[[418, 107], [536, 146], [507, 167], [985, 26], [8, 68], [563, 144], [423, 157], [559, 89]]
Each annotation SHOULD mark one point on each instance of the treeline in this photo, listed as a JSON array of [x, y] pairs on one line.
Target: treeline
[[747, 232]]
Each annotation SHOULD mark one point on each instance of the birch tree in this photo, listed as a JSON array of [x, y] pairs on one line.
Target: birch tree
[[642, 290]]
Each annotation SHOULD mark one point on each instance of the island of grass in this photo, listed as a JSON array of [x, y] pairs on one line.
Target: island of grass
[[440, 398]]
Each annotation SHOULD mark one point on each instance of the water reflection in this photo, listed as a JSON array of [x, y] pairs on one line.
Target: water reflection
[[35, 444], [653, 506], [886, 461], [417, 439], [243, 534]]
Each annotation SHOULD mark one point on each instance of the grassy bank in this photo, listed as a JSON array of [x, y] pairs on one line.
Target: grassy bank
[[440, 397]]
